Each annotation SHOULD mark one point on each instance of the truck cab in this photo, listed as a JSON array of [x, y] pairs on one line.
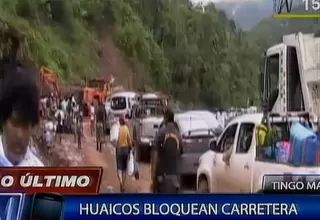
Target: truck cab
[[290, 79], [147, 117]]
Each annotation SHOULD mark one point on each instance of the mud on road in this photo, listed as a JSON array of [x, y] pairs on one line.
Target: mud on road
[[106, 159], [67, 153]]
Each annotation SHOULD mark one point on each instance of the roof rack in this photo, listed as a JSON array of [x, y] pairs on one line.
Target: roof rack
[[289, 114]]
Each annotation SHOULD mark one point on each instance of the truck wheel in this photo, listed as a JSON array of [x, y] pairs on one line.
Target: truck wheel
[[203, 186]]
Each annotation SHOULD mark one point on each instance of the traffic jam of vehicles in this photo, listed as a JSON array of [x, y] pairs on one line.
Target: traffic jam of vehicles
[[231, 150], [234, 156]]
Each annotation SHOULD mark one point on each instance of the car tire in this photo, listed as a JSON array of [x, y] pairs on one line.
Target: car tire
[[260, 191], [203, 186]]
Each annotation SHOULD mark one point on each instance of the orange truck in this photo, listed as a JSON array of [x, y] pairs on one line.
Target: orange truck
[[96, 90]]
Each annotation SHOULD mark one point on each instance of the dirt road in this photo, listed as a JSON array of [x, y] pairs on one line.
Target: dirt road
[[68, 154], [106, 160]]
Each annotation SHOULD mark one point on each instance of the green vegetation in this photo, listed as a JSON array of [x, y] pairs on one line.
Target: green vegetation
[[195, 54], [56, 36]]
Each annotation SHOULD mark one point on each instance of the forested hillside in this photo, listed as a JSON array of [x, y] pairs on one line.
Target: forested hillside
[[197, 56]]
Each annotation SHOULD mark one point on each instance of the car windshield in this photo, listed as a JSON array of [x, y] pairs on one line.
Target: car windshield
[[118, 103], [154, 102], [148, 111], [196, 125], [208, 117]]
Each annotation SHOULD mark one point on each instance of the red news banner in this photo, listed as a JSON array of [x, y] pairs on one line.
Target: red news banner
[[65, 180]]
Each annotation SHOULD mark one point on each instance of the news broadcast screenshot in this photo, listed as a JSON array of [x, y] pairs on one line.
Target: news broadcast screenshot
[[164, 109]]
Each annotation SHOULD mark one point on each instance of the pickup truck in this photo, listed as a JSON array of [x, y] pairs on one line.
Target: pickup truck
[[234, 165]]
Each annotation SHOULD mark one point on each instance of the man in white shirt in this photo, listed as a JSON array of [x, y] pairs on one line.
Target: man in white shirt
[[92, 118], [19, 114], [59, 117], [64, 105], [49, 129]]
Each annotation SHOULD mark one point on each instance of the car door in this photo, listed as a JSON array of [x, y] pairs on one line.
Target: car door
[[241, 160], [226, 142]]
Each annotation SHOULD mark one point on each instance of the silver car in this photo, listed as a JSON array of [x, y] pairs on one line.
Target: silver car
[[196, 135]]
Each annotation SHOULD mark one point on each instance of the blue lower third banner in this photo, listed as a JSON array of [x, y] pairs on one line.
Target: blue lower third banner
[[11, 206], [144, 206]]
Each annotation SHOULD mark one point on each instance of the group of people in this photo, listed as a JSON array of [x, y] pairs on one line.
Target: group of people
[[66, 115], [19, 116], [61, 115]]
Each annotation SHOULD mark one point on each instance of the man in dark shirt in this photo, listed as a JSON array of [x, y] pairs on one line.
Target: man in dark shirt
[[101, 117], [166, 157]]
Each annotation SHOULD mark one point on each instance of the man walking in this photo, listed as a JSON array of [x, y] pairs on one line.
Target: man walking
[[166, 157], [100, 124]]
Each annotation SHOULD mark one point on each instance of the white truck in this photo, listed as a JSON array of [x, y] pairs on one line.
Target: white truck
[[146, 119], [233, 163], [290, 82]]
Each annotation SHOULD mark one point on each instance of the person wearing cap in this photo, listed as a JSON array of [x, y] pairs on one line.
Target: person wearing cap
[[123, 148]]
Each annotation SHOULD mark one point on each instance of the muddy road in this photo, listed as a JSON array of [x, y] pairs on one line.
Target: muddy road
[[68, 154], [106, 159]]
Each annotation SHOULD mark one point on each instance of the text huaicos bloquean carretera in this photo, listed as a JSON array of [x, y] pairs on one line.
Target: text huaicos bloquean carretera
[[183, 209]]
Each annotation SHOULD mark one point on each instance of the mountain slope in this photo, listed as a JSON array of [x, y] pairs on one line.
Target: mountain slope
[[247, 13], [197, 56]]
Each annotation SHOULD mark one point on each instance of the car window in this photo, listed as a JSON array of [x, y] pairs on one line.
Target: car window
[[186, 125], [228, 137], [208, 117], [245, 137]]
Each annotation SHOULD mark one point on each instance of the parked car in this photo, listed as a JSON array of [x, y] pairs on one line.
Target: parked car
[[196, 135], [208, 116]]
